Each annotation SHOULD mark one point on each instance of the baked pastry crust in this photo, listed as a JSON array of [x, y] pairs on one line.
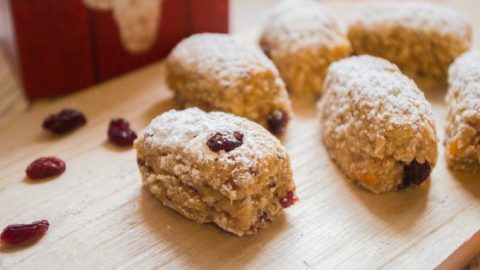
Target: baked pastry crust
[[421, 38], [377, 125], [241, 190], [215, 72], [303, 38], [462, 132]]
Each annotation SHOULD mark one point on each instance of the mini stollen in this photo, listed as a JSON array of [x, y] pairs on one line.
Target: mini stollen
[[215, 72], [137, 21], [216, 167], [377, 125]]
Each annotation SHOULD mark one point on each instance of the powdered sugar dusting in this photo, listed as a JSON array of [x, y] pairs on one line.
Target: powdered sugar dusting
[[466, 70], [379, 85], [190, 129], [297, 24], [422, 16]]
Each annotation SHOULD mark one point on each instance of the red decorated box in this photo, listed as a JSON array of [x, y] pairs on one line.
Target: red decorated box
[[60, 46]]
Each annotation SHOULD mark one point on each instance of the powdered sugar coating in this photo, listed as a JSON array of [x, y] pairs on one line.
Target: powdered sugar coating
[[215, 72], [303, 38], [375, 120], [463, 113], [188, 131]]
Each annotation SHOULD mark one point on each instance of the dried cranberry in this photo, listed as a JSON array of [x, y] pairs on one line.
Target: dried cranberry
[[45, 167], [277, 122], [266, 48], [140, 162], [415, 173], [289, 200], [119, 132], [64, 121], [227, 142], [18, 233]]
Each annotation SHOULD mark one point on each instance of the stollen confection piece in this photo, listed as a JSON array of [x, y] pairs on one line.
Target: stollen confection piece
[[462, 133], [216, 167], [217, 73], [302, 38], [421, 38], [377, 125]]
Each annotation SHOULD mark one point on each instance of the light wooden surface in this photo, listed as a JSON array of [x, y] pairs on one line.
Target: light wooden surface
[[101, 218]]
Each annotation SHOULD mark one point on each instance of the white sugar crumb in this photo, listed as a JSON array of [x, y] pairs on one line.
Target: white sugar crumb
[[416, 15], [381, 86], [297, 24], [74, 210], [189, 130]]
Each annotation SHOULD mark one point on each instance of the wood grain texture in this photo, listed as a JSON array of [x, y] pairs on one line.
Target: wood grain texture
[[101, 218]]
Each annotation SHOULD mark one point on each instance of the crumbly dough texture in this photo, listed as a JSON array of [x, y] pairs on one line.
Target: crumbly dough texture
[[462, 133], [237, 190], [302, 38], [375, 120], [216, 72], [421, 38]]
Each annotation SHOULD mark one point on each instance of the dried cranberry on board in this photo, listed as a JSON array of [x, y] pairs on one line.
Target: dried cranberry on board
[[289, 200], [119, 132], [277, 123], [45, 167], [17, 233], [64, 121], [227, 142]]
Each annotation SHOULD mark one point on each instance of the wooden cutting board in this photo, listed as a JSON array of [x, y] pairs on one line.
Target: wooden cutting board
[[101, 218]]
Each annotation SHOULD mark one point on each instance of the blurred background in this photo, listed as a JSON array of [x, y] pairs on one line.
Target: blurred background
[[99, 41]]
